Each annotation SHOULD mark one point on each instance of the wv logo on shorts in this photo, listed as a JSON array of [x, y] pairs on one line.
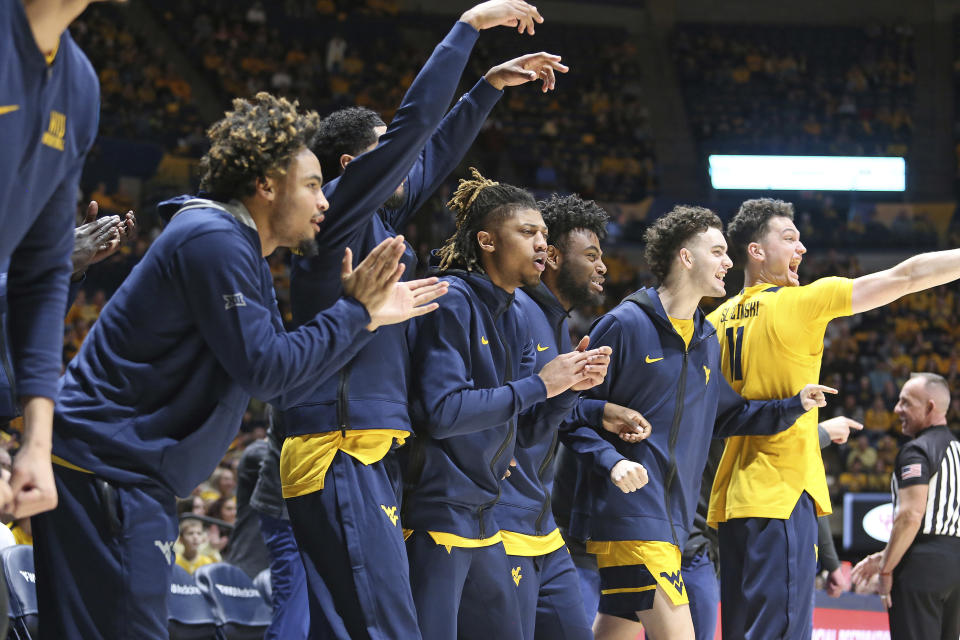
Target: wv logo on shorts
[[391, 513], [675, 579], [232, 300], [517, 577], [166, 548]]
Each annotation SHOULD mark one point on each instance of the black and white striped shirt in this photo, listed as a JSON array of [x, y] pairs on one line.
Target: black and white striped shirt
[[932, 458]]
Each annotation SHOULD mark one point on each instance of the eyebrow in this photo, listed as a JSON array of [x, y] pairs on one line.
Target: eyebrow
[[593, 248], [314, 176], [718, 246]]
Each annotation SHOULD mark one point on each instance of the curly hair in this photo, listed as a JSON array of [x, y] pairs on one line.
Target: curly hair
[[667, 235], [752, 221], [258, 138], [565, 214], [479, 202], [347, 131]]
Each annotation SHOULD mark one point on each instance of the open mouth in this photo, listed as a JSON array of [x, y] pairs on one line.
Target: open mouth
[[315, 221], [795, 267], [720, 276], [540, 262], [597, 284]]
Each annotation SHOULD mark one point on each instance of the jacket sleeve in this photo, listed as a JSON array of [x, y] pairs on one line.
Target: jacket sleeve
[[373, 176], [445, 399], [737, 416], [581, 431], [445, 149], [37, 286], [219, 276]]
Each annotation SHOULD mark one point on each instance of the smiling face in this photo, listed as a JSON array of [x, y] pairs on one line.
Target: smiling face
[[705, 257], [576, 273], [514, 250], [299, 204], [780, 252]]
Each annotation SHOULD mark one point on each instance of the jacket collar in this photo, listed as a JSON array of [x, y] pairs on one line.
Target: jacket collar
[[495, 298], [649, 300], [548, 302]]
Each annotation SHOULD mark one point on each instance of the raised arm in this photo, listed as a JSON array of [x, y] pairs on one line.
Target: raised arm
[[372, 177], [450, 142], [913, 274]]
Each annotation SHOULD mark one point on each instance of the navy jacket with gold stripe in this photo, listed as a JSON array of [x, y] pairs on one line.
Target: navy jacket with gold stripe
[[474, 393], [682, 393], [420, 148]]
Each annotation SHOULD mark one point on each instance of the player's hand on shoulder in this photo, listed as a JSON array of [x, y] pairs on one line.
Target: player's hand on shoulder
[[375, 284], [839, 428], [508, 13], [813, 395], [525, 69], [626, 423], [628, 476]]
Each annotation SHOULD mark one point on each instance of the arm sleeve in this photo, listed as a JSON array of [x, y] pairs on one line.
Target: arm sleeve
[[445, 396], [445, 149], [913, 467], [824, 437], [581, 431], [245, 332], [737, 416], [37, 285], [825, 547], [373, 176]]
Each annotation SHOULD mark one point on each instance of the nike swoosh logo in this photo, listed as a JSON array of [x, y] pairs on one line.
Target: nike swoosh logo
[[539, 348], [483, 340], [652, 360], [8, 108]]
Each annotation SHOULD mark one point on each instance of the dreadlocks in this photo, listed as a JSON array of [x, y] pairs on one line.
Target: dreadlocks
[[259, 137], [478, 203]]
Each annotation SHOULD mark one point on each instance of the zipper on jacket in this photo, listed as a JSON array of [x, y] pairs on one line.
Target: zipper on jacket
[[672, 444], [508, 377], [343, 404], [551, 453]]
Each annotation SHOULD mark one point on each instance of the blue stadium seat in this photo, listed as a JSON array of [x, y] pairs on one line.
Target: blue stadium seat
[[240, 611], [264, 586], [189, 614], [21, 584]]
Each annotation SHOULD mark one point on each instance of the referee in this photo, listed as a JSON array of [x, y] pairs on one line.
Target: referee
[[919, 570]]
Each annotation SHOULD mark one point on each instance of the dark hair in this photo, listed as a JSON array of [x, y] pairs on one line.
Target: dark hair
[[259, 137], [752, 221], [478, 203], [347, 131], [565, 214], [666, 236]]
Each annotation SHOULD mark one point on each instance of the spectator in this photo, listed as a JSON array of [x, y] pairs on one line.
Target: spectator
[[192, 537]]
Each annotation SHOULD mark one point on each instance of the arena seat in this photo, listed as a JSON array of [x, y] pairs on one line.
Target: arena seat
[[264, 586], [21, 585], [189, 613], [240, 611]]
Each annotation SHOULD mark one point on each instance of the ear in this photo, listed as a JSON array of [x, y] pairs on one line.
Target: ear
[[345, 159], [754, 251], [554, 257], [686, 257], [266, 188], [486, 241]]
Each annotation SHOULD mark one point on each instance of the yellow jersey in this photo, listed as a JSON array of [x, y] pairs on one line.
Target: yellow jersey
[[771, 345]]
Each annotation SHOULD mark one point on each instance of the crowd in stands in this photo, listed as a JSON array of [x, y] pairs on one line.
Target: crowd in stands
[[143, 96], [798, 90], [329, 55]]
